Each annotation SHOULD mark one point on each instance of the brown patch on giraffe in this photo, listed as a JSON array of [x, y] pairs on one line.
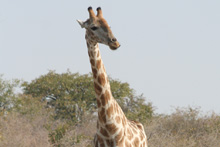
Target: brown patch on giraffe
[[136, 142], [144, 144], [101, 116], [92, 62], [89, 42], [101, 119], [98, 64], [116, 107], [140, 126], [129, 134], [118, 138], [124, 121], [98, 103], [118, 119], [110, 111], [94, 71], [88, 45], [127, 144], [101, 79], [107, 94], [134, 126], [104, 132], [103, 67], [102, 112], [110, 142], [92, 38], [134, 130], [111, 128], [105, 98], [98, 89], [92, 54], [90, 33], [100, 140], [141, 136], [121, 142]]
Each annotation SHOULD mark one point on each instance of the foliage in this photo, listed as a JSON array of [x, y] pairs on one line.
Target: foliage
[[7, 93], [24, 125], [29, 123], [138, 110], [29, 106], [57, 134], [133, 106], [184, 127], [76, 97], [75, 102], [74, 92]]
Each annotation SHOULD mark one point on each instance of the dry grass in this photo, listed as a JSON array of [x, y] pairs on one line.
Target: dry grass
[[18, 131], [25, 125], [81, 135], [183, 128]]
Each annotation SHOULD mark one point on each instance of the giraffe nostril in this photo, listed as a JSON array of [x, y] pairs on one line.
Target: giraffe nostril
[[113, 39]]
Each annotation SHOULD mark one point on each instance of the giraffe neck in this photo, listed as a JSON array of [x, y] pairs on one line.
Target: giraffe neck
[[101, 82], [111, 119]]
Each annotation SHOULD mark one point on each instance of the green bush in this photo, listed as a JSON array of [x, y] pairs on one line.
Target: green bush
[[76, 96], [7, 95]]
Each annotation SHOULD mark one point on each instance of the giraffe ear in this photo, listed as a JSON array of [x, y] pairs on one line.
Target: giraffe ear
[[81, 23]]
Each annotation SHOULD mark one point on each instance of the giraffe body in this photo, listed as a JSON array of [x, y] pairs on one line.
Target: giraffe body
[[113, 128]]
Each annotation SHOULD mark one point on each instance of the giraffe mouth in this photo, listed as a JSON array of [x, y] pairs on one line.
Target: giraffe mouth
[[114, 46]]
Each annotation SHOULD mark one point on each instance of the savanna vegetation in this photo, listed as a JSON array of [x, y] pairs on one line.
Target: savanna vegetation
[[28, 121]]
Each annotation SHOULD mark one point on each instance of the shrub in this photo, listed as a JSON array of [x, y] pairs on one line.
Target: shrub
[[7, 95], [76, 96], [185, 127]]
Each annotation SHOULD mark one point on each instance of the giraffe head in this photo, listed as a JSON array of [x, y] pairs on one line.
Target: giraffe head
[[99, 29]]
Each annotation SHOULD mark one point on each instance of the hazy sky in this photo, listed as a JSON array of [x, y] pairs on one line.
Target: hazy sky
[[170, 50]]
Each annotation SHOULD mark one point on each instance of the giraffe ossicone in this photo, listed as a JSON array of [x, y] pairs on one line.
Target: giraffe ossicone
[[113, 128]]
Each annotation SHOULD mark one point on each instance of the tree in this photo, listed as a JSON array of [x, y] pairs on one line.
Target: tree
[[7, 93], [76, 96], [138, 109]]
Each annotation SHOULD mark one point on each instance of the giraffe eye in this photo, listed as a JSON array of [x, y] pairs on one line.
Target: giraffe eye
[[94, 28]]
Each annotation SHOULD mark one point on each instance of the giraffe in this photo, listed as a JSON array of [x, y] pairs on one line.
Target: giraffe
[[113, 128]]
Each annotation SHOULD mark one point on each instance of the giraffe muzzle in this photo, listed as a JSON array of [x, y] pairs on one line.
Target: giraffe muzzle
[[114, 46]]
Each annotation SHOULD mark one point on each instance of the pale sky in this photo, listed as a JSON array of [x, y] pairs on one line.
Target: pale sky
[[170, 50]]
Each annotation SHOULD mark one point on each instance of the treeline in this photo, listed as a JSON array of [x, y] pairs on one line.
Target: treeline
[[29, 119], [74, 100]]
